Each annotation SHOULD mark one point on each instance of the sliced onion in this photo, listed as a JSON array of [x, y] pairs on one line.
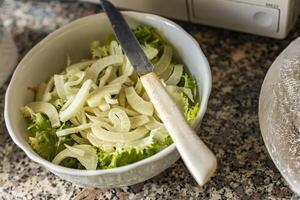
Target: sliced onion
[[75, 150], [40, 92], [84, 133], [122, 98], [104, 106], [47, 93], [94, 86], [88, 159], [105, 77], [80, 66], [107, 146], [59, 86], [47, 109], [50, 85], [139, 121], [77, 103], [187, 91], [119, 81], [128, 111], [79, 78], [140, 143], [67, 103], [95, 119], [130, 82], [121, 137], [138, 103], [79, 140], [134, 77], [145, 96], [119, 119], [128, 68], [96, 111], [159, 134], [175, 77], [150, 52], [115, 48], [96, 97], [113, 75], [74, 121], [70, 91], [94, 71], [164, 61], [138, 87], [81, 117], [76, 129], [168, 71], [153, 124], [58, 103], [106, 126], [110, 100]]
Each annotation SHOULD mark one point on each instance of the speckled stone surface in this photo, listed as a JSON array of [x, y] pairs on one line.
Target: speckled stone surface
[[230, 127]]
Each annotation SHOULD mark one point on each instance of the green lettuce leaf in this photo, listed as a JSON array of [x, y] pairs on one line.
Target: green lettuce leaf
[[71, 163], [189, 82], [191, 113], [43, 137], [127, 156], [99, 51], [188, 108], [148, 35]]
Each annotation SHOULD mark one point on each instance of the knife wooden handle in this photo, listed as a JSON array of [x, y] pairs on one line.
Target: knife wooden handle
[[198, 158]]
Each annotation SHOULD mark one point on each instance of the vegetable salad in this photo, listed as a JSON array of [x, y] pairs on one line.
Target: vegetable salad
[[96, 114]]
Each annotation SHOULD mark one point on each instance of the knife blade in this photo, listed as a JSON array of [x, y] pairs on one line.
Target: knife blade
[[126, 38], [198, 158]]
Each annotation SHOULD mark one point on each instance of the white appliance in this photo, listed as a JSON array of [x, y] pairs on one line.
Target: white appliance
[[272, 18]]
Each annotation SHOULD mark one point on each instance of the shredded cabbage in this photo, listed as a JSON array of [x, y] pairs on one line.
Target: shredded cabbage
[[96, 113]]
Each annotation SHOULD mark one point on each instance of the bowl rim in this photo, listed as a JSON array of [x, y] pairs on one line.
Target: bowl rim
[[79, 172]]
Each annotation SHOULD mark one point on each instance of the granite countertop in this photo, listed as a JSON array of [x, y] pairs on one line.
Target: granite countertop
[[230, 127]]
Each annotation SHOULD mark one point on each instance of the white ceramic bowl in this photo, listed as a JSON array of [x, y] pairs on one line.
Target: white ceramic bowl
[[49, 57]]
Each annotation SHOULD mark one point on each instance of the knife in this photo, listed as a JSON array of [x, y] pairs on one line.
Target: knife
[[198, 158]]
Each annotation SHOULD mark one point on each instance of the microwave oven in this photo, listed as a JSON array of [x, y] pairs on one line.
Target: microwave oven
[[271, 18]]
